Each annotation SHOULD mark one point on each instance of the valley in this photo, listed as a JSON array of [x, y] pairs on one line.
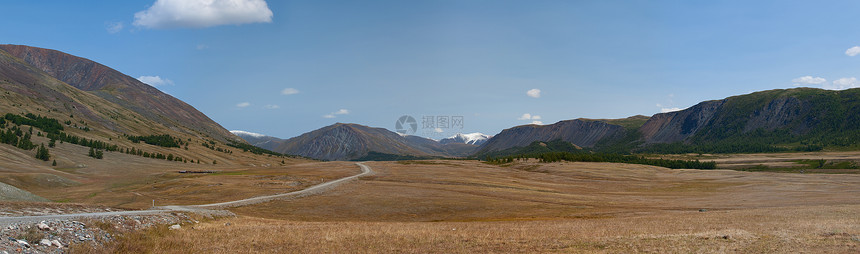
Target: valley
[[468, 206], [774, 172]]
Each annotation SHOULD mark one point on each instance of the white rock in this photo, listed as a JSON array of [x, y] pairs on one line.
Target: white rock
[[45, 242], [23, 243], [43, 226], [175, 227], [57, 243]]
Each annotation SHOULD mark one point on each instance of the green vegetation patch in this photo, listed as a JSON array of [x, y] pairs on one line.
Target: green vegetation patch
[[163, 140], [608, 157]]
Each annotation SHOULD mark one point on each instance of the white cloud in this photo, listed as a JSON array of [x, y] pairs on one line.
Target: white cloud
[[289, 91], [843, 83], [114, 27], [667, 110], [243, 104], [155, 80], [537, 122], [853, 51], [528, 116], [339, 112], [534, 93], [202, 46], [202, 13], [271, 106], [438, 130], [809, 80], [525, 116]]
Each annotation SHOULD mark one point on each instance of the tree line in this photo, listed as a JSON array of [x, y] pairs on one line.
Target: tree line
[[606, 157], [163, 140]]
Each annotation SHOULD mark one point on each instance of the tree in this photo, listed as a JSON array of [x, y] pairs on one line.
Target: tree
[[92, 153], [42, 153], [52, 143], [214, 162], [54, 164]]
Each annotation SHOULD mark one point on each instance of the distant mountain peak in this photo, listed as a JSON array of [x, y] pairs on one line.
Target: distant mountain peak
[[475, 138], [259, 140]]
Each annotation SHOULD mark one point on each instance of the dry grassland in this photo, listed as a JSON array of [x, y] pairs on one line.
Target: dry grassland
[[829, 229], [467, 207]]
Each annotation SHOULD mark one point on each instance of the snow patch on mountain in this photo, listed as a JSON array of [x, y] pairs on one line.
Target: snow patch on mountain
[[247, 133]]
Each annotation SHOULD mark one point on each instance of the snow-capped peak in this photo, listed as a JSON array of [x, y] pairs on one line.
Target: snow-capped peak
[[247, 133], [471, 138]]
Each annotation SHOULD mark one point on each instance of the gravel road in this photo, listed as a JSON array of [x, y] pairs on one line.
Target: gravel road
[[365, 170]]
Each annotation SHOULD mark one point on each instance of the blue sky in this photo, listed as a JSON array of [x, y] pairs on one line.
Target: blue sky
[[283, 68]]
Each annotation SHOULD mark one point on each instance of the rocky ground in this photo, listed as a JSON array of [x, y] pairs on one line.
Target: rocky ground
[[55, 236], [12, 209]]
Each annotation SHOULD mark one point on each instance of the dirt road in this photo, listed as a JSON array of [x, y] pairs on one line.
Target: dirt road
[[365, 170]]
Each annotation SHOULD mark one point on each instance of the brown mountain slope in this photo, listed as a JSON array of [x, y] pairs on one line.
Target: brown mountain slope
[[579, 132], [679, 125], [121, 89], [71, 173], [27, 89]]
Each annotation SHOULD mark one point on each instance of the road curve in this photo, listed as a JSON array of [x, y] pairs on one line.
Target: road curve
[[365, 171]]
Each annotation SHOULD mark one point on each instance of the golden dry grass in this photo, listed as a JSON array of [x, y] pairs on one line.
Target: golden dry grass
[[128, 181], [527, 207], [473, 191], [833, 229]]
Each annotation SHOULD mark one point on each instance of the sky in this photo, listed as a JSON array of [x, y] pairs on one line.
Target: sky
[[283, 68]]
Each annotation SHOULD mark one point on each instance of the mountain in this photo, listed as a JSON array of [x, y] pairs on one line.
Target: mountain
[[154, 125], [583, 133], [69, 126], [120, 89], [800, 118], [259, 140], [471, 139], [343, 141]]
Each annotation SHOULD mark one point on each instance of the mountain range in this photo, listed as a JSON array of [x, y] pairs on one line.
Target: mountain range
[[800, 119]]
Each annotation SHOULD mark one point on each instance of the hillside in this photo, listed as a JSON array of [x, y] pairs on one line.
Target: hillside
[[774, 120], [800, 119], [120, 89], [58, 139]]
